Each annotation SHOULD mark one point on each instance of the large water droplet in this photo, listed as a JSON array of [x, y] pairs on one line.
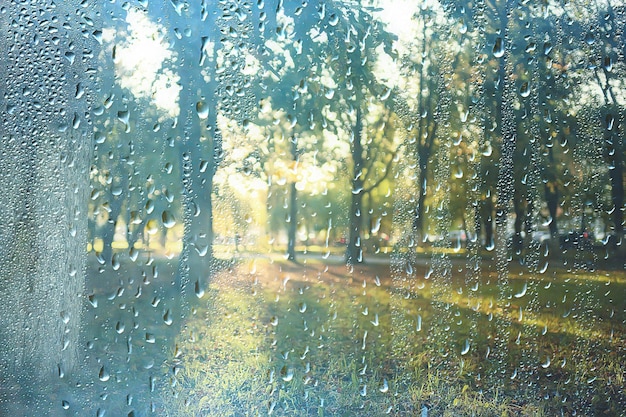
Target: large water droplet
[[498, 48], [466, 347], [70, 56], [385, 387], [199, 290], [167, 318], [120, 327], [104, 375], [524, 90], [547, 48], [202, 109], [168, 219]]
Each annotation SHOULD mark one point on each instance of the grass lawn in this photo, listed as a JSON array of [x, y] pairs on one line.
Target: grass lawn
[[440, 337]]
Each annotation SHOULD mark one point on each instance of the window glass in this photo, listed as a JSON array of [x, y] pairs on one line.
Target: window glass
[[308, 207]]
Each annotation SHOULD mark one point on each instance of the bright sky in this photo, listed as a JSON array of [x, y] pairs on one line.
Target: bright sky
[[140, 62]]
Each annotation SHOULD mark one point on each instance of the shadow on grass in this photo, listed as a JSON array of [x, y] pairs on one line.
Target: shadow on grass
[[321, 339]]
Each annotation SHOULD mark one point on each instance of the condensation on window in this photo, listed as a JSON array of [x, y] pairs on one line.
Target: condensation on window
[[312, 208]]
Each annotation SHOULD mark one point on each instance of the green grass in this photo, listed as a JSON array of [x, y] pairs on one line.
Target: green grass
[[323, 340]]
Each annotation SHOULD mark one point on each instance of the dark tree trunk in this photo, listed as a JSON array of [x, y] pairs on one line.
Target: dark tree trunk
[[427, 128], [292, 227], [552, 201], [293, 222], [520, 213], [418, 221], [108, 229], [487, 220], [354, 251], [200, 150]]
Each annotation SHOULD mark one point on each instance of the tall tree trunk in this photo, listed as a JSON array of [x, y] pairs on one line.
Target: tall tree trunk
[[520, 213], [293, 222], [293, 203], [552, 201], [423, 152], [354, 251], [44, 177], [107, 231], [418, 221], [487, 221], [200, 150]]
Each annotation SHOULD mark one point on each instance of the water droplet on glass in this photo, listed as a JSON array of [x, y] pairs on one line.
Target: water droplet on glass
[[119, 327], [385, 94], [167, 318], [123, 116], [385, 387], [168, 219], [115, 262], [462, 27], [152, 227], [287, 374], [522, 291], [199, 291], [498, 48], [547, 48], [466, 347], [70, 56], [80, 91], [103, 375], [524, 90], [202, 109]]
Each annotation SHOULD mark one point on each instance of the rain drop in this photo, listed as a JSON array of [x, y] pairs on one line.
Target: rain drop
[[385, 387], [104, 375], [199, 291], [167, 318], [466, 347], [202, 109], [168, 219], [524, 90], [498, 48]]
